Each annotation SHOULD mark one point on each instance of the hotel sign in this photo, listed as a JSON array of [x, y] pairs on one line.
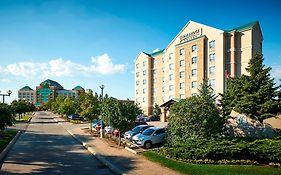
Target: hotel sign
[[191, 35]]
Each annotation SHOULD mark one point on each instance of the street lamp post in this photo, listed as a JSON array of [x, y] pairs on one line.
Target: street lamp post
[[8, 94], [101, 128]]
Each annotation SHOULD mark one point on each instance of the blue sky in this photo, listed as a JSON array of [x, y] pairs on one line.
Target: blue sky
[[94, 42]]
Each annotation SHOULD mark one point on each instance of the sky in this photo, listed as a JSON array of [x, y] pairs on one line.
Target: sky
[[95, 42]]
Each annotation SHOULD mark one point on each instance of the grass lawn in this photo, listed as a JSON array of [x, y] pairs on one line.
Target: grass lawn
[[209, 169], [24, 118], [5, 138]]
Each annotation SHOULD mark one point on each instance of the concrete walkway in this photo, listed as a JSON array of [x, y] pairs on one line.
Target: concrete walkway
[[125, 161]]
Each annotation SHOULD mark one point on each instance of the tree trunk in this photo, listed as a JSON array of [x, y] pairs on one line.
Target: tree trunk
[[119, 137], [91, 125]]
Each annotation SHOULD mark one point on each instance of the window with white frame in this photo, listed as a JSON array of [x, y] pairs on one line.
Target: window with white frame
[[181, 85], [163, 69], [137, 74], [181, 74], [163, 99], [144, 72], [171, 87], [182, 51], [212, 57], [163, 60], [163, 89], [182, 96], [154, 71], [193, 84], [137, 65], [154, 63], [212, 70], [154, 80], [194, 60], [194, 48], [137, 91], [143, 99], [144, 81], [171, 66], [144, 63], [171, 56], [137, 82], [171, 97], [212, 44], [181, 63], [163, 79], [171, 76], [144, 90], [212, 83], [154, 90], [193, 94], [193, 72]]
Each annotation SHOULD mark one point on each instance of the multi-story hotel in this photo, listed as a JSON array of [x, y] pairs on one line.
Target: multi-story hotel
[[46, 91], [197, 52]]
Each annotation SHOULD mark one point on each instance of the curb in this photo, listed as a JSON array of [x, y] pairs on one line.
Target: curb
[[8, 147], [30, 118], [131, 150], [97, 155]]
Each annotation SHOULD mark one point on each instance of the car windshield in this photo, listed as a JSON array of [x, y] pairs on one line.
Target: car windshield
[[148, 131], [136, 129]]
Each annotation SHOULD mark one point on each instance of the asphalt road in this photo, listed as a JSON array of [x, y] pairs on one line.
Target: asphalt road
[[46, 148]]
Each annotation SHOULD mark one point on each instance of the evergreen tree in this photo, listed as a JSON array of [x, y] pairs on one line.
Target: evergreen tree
[[253, 95]]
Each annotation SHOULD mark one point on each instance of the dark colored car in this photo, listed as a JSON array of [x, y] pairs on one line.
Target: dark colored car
[[154, 118], [73, 116]]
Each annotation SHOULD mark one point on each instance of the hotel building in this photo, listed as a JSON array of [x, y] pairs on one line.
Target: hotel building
[[197, 52], [46, 91]]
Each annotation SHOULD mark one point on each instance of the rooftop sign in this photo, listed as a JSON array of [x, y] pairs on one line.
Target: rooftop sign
[[192, 35]]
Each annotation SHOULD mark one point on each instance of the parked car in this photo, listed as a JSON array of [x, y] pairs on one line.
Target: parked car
[[97, 123], [154, 118], [108, 130], [149, 137], [142, 118], [136, 130], [73, 116]]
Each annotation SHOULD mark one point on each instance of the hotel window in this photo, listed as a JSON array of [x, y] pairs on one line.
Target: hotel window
[[171, 56], [163, 89], [212, 57], [163, 99], [194, 60], [143, 100], [137, 74], [163, 60], [181, 63], [144, 63], [154, 90], [171, 97], [137, 65], [154, 80], [194, 48], [182, 51], [181, 96], [154, 63], [154, 71], [193, 84], [171, 87], [212, 44], [212, 70], [144, 81], [212, 83], [154, 100], [171, 66], [137, 82], [163, 69], [193, 72], [181, 85], [163, 79], [182, 74], [193, 94], [144, 90], [144, 72], [171, 76], [137, 91]]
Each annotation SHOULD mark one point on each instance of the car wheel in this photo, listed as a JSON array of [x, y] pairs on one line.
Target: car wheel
[[147, 144]]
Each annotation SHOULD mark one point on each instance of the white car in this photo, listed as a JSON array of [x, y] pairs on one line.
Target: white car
[[149, 137], [108, 130]]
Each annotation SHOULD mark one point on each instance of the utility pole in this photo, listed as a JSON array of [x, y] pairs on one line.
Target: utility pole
[[102, 124]]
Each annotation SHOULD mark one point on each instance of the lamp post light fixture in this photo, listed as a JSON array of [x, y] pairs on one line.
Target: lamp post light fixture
[[102, 87], [8, 94]]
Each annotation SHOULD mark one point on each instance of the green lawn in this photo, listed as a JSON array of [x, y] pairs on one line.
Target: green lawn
[[24, 118], [5, 138], [209, 169]]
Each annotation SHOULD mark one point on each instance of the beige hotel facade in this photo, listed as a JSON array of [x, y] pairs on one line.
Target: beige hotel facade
[[197, 52]]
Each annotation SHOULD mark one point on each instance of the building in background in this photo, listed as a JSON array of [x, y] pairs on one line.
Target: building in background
[[26, 93], [46, 91], [196, 53]]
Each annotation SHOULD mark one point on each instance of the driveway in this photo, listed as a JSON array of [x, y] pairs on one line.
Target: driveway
[[46, 148]]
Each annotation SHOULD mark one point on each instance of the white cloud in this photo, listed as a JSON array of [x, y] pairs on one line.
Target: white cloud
[[156, 50], [6, 80], [276, 72], [100, 65]]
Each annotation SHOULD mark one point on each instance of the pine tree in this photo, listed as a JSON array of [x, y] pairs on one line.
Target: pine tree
[[253, 95]]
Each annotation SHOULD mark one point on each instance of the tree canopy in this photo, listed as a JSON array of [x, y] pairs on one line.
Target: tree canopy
[[6, 118]]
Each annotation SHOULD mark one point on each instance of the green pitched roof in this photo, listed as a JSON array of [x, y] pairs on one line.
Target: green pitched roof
[[243, 27], [26, 88], [52, 83], [78, 88], [157, 53]]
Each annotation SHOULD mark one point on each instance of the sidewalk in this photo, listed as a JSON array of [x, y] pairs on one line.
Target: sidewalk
[[125, 161]]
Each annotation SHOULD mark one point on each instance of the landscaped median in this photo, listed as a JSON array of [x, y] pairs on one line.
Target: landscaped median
[[25, 118], [5, 138], [222, 156]]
